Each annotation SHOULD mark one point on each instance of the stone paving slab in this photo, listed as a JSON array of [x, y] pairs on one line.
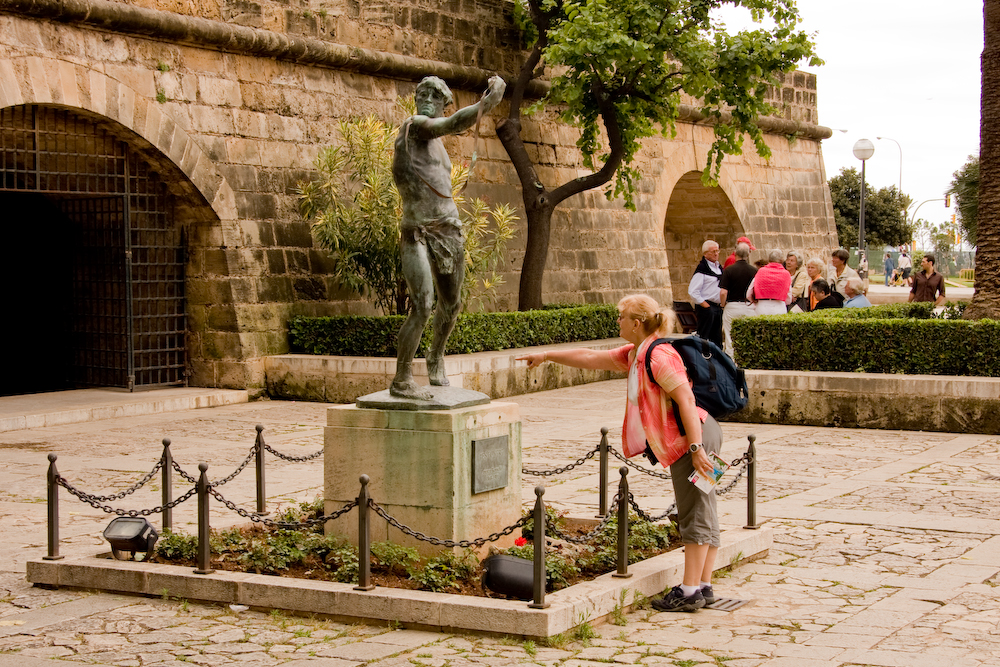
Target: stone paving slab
[[885, 546]]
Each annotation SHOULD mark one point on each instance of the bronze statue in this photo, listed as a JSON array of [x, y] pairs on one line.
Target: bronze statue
[[432, 244]]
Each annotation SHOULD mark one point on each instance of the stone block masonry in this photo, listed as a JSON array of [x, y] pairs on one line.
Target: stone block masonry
[[230, 102]]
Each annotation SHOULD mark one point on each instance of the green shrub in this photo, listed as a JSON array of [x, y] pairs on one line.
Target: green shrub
[[177, 546], [356, 336], [904, 339], [443, 572]]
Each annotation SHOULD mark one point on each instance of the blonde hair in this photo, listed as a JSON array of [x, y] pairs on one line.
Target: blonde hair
[[651, 317]]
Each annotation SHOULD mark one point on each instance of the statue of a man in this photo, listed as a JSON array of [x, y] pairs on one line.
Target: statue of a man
[[432, 244]]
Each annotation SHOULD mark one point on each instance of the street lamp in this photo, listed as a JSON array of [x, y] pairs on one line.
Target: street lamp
[[863, 149], [900, 161]]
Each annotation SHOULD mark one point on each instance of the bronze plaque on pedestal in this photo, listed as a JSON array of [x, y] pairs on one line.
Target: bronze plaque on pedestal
[[489, 464]]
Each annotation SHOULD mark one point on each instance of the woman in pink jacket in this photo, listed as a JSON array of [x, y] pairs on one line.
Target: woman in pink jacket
[[649, 418]]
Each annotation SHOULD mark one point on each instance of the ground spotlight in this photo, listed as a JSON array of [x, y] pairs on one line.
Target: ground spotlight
[[130, 535]]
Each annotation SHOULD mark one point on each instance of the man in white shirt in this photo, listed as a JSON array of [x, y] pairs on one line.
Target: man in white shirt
[[704, 291], [906, 266]]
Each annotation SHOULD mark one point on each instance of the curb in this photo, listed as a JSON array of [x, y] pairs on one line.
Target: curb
[[588, 602]]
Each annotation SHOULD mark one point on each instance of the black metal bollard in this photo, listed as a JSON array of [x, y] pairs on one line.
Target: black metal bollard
[[538, 593], [167, 515], [752, 485], [604, 473], [364, 539], [53, 510], [259, 454], [623, 572], [204, 548]]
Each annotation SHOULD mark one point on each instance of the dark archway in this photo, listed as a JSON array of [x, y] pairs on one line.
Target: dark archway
[[696, 213], [95, 255]]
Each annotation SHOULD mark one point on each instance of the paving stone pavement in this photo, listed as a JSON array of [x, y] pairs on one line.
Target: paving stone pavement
[[886, 551]]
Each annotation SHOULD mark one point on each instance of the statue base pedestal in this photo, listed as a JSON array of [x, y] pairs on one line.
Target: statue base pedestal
[[452, 474]]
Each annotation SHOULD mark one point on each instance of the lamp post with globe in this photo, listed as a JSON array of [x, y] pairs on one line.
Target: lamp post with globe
[[863, 150]]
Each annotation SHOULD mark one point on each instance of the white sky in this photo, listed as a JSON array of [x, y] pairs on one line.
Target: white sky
[[905, 70]]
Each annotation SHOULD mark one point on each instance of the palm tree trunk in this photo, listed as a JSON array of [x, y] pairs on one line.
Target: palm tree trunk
[[986, 300]]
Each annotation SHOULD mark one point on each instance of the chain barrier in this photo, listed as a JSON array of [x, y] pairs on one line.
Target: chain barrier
[[138, 485], [285, 525], [608, 518], [645, 516], [95, 501], [556, 471], [180, 471], [295, 459], [644, 471], [478, 542], [746, 459]]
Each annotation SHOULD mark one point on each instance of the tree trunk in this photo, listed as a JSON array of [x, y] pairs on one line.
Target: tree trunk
[[986, 299], [529, 295]]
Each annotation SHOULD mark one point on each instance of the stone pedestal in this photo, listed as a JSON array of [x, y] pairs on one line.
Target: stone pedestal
[[421, 466]]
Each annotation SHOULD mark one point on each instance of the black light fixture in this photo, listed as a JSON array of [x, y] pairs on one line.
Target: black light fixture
[[130, 535], [509, 576]]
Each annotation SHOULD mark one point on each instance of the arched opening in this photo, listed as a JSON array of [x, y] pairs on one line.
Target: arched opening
[[95, 256], [696, 213]]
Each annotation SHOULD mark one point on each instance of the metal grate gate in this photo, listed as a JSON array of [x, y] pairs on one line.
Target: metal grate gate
[[127, 325]]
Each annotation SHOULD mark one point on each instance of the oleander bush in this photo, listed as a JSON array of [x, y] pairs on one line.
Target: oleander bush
[[894, 338], [357, 336]]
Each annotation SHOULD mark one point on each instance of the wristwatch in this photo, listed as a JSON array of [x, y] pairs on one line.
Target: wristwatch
[[695, 446]]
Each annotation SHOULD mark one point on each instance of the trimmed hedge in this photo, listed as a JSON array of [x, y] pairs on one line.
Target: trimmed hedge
[[894, 338], [355, 336]]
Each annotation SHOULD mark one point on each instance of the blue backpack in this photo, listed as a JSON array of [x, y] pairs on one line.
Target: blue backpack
[[719, 386]]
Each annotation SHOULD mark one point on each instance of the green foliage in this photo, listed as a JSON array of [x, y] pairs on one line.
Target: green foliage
[[475, 332], [173, 545], [628, 64], [394, 558], [897, 338], [885, 211], [354, 208], [965, 188], [443, 572]]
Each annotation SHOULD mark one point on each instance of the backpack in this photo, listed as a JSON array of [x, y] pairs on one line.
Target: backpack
[[719, 386]]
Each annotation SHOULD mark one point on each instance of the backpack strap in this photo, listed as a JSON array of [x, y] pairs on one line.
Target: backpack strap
[[649, 374]]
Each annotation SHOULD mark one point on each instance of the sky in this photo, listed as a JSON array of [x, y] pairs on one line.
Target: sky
[[907, 71]]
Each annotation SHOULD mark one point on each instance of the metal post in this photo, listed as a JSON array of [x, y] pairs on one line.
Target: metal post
[[259, 454], [167, 493], [53, 510], [204, 549], [752, 485], [623, 572], [538, 583], [603, 487], [861, 216], [364, 540]]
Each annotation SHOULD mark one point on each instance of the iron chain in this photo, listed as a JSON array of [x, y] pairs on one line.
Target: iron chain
[[465, 544], [557, 471], [231, 476], [296, 459], [649, 517], [138, 485], [612, 512], [95, 502], [746, 459], [645, 471], [285, 525]]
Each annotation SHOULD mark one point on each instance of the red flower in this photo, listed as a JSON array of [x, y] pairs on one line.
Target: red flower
[[520, 542]]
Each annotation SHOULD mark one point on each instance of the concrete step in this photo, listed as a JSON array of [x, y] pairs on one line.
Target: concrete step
[[86, 405]]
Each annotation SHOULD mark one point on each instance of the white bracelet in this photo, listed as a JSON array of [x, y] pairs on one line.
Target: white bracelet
[[545, 356]]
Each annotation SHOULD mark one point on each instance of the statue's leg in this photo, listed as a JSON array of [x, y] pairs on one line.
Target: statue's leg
[[420, 285], [445, 316]]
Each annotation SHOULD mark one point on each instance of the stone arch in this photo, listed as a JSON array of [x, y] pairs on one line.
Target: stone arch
[[695, 213], [49, 81], [204, 200]]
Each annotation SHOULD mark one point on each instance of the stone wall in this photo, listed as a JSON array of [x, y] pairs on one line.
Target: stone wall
[[236, 132]]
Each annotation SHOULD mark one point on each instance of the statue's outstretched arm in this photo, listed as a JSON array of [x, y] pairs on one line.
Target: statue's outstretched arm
[[466, 117]]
